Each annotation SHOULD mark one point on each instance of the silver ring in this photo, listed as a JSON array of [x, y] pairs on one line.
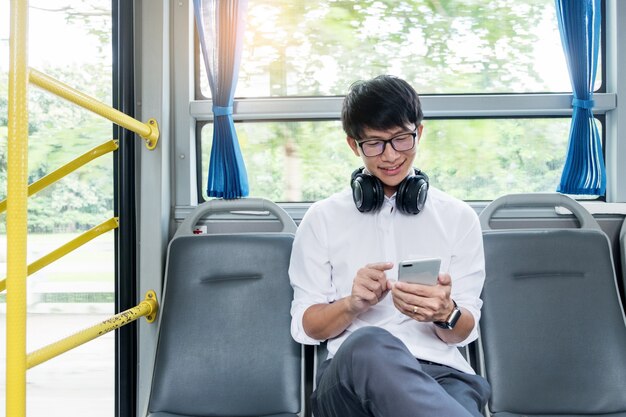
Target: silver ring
[[414, 309]]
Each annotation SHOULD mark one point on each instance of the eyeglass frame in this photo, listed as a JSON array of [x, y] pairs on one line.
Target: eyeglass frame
[[390, 141]]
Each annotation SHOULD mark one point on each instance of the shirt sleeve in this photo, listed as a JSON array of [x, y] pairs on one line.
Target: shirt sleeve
[[309, 272], [467, 269]]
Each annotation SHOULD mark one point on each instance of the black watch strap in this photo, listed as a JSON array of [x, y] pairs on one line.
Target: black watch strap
[[451, 320]]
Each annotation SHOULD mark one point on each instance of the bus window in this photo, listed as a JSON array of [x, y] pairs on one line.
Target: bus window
[[313, 48], [472, 159], [306, 51], [70, 41]]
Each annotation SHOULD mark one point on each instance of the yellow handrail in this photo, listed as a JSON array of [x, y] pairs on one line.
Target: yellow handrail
[[149, 131], [73, 244], [148, 308], [67, 169], [17, 189], [17, 362]]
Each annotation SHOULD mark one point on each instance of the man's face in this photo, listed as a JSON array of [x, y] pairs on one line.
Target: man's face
[[392, 165]]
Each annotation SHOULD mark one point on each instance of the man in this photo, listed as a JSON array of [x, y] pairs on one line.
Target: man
[[392, 345]]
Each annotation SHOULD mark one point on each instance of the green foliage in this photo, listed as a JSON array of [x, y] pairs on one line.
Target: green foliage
[[69, 206], [475, 159], [60, 131], [483, 159], [314, 162], [452, 46], [440, 46]]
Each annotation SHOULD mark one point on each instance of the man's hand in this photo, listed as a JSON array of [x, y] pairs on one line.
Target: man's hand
[[369, 286], [325, 321], [424, 302]]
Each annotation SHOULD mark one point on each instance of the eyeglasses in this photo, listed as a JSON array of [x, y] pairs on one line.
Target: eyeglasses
[[400, 143]]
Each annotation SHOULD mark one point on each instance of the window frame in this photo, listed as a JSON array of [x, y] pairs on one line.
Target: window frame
[[435, 106]]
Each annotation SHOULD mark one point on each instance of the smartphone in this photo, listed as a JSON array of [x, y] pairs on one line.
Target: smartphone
[[419, 271]]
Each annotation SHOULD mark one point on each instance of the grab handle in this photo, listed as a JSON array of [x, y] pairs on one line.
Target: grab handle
[[585, 218], [242, 204]]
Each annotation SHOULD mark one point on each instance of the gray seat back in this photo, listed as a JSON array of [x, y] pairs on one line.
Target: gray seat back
[[224, 345], [553, 336]]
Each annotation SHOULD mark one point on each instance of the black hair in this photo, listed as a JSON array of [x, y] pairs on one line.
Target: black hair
[[381, 103]]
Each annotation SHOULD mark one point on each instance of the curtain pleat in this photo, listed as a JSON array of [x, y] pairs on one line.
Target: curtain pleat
[[579, 24], [220, 25]]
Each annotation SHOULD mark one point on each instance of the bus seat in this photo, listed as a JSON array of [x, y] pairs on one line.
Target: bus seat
[[552, 332], [224, 344]]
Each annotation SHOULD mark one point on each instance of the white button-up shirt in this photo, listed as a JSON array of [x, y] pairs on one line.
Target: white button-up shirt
[[335, 240]]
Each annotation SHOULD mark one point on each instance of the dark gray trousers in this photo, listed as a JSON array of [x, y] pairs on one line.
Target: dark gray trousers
[[373, 374]]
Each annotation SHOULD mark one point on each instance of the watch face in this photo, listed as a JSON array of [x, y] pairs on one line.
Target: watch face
[[454, 317]]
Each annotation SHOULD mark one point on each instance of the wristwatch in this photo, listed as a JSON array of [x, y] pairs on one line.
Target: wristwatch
[[451, 320]]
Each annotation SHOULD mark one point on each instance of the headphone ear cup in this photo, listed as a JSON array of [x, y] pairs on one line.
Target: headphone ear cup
[[412, 193], [367, 191]]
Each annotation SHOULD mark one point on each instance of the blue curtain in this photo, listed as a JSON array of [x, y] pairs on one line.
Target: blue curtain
[[220, 25], [579, 25]]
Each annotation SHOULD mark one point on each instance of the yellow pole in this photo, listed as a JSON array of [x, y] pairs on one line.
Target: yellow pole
[[149, 131], [73, 244], [17, 191], [148, 307], [67, 169]]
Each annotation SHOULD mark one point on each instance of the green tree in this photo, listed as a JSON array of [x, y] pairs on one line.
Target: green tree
[[446, 46], [60, 131]]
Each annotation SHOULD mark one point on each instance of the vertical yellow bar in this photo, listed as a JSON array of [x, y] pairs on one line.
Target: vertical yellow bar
[[17, 195]]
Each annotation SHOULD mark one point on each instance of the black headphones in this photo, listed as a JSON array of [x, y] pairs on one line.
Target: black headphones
[[368, 194]]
